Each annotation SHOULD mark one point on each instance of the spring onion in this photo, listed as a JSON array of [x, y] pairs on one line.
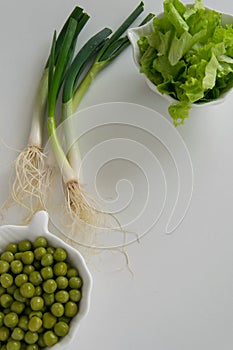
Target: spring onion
[[97, 53], [73, 77], [31, 174]]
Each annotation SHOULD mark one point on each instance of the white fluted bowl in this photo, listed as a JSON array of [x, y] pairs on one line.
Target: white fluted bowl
[[39, 227], [135, 33]]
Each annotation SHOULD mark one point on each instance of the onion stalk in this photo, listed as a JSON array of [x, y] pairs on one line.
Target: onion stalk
[[100, 54], [32, 176], [75, 202], [97, 53]]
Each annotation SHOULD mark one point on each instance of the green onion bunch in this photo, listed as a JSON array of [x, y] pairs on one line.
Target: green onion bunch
[[68, 75]]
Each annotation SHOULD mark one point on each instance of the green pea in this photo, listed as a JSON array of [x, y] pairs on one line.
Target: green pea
[[1, 318], [31, 337], [27, 269], [17, 307], [27, 257], [34, 324], [72, 272], [4, 333], [18, 255], [75, 295], [11, 319], [49, 286], [61, 329], [18, 296], [62, 282], [60, 254], [10, 290], [49, 320], [11, 247], [35, 313], [23, 322], [37, 265], [27, 290], [65, 319], [57, 309], [41, 342], [48, 298], [38, 290], [6, 280], [6, 300], [17, 334], [71, 309], [50, 250], [50, 338], [62, 296], [6, 311], [40, 242], [41, 330], [2, 290], [20, 279], [75, 282], [13, 345], [24, 245], [46, 272], [28, 309], [7, 256], [37, 303], [4, 266], [60, 268], [16, 266], [32, 347], [39, 252], [47, 259], [35, 278]]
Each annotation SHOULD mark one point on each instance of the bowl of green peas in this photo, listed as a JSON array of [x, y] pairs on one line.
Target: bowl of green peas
[[45, 287]]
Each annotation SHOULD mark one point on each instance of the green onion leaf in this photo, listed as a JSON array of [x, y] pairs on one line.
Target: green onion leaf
[[123, 27], [55, 83], [81, 60]]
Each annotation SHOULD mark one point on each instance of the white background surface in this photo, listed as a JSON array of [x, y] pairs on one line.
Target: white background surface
[[181, 293]]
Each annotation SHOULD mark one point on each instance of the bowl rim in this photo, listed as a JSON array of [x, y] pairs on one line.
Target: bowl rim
[[38, 226]]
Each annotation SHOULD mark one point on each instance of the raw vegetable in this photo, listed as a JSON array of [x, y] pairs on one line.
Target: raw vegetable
[[189, 55], [99, 51], [37, 313], [32, 176]]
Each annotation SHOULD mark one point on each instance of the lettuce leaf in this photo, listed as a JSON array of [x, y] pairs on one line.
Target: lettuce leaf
[[179, 111], [171, 12]]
